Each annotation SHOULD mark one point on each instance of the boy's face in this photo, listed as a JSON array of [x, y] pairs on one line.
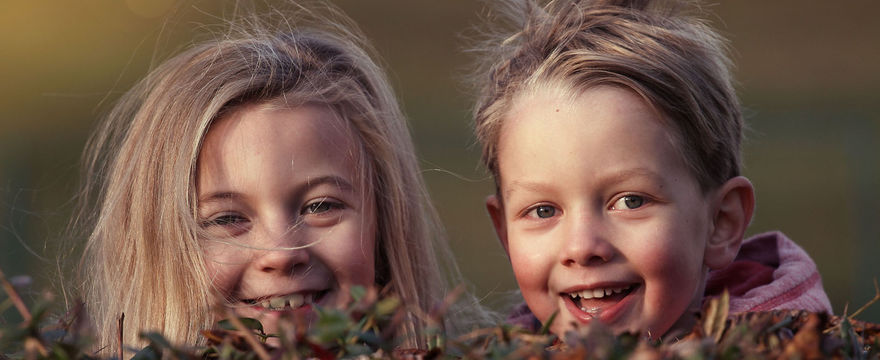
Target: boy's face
[[599, 214]]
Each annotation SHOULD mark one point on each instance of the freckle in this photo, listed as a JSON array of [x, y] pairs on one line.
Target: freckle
[[557, 110]]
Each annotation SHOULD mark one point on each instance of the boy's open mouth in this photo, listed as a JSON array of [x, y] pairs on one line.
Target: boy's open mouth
[[592, 301], [287, 302]]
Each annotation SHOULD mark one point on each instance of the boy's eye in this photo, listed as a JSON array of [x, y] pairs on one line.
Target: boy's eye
[[321, 206], [542, 211], [630, 202]]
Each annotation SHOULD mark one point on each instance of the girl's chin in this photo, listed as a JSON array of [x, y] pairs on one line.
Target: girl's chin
[[270, 318]]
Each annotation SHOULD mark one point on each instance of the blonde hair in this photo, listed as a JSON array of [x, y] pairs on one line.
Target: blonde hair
[[672, 60], [143, 256]]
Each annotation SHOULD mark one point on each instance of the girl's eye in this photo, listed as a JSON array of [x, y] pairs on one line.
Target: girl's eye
[[542, 211], [224, 220], [629, 202], [321, 206], [226, 224]]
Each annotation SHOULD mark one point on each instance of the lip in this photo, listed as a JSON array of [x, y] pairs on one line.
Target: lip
[[608, 314], [599, 285]]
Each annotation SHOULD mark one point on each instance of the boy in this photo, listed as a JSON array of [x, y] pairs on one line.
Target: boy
[[613, 133]]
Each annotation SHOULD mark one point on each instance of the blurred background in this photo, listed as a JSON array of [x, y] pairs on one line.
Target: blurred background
[[807, 73]]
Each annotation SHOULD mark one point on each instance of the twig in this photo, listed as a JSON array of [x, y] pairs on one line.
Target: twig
[[842, 319], [438, 312], [869, 303], [248, 336], [31, 345], [16, 300], [859, 311], [121, 322]]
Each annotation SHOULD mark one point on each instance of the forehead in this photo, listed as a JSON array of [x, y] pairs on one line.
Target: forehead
[[602, 129], [263, 140], [278, 123]]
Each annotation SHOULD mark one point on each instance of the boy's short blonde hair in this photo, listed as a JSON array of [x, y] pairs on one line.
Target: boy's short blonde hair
[[675, 62]]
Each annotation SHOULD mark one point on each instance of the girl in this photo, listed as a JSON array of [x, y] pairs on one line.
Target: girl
[[268, 170]]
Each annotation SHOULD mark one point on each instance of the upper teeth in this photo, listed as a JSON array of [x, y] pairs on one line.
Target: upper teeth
[[292, 300], [598, 293]]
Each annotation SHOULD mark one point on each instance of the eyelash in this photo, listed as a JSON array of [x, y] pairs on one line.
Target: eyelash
[[644, 200], [330, 204], [533, 211], [320, 207], [223, 220]]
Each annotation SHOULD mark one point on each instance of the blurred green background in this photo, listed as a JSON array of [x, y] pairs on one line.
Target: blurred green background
[[806, 70]]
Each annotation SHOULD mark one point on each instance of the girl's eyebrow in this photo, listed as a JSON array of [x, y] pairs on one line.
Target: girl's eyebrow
[[310, 183], [218, 196], [339, 181]]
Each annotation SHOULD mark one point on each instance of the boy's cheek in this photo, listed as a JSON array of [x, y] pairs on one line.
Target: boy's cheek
[[532, 269]]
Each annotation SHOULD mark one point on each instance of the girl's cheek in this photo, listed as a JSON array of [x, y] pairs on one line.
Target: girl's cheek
[[224, 266]]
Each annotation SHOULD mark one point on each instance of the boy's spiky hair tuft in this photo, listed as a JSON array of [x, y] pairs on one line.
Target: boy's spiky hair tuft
[[673, 60]]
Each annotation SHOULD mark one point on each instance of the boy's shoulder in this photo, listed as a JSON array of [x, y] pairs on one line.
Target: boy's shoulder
[[522, 316], [771, 272]]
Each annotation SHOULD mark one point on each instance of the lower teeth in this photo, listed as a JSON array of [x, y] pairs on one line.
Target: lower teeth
[[592, 311], [281, 303]]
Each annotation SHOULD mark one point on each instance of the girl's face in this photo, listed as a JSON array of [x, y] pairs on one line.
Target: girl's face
[[287, 222]]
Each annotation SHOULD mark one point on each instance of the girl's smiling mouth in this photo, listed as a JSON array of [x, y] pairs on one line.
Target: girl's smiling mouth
[[287, 302]]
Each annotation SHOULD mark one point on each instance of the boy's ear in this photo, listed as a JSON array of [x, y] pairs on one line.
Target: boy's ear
[[496, 212], [734, 203]]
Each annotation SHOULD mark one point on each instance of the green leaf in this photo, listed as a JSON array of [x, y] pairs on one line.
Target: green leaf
[[156, 339], [387, 306], [148, 353], [249, 323], [358, 292], [357, 349], [331, 325], [545, 329]]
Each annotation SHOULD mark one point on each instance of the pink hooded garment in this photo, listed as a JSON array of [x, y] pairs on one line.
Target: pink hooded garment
[[770, 272]]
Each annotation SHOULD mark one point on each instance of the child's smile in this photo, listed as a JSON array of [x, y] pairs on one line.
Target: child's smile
[[599, 214], [286, 219], [286, 302], [597, 302]]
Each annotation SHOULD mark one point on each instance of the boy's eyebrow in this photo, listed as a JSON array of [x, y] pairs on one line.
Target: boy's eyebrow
[[609, 179], [339, 181], [528, 185], [634, 172]]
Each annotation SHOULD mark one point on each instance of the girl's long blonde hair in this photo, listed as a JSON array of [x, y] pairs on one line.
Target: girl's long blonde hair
[[143, 257]]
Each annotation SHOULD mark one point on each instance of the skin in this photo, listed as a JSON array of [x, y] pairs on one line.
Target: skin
[[594, 195], [282, 210]]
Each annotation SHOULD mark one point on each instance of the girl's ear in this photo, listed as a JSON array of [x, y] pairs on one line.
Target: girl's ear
[[496, 212], [734, 203]]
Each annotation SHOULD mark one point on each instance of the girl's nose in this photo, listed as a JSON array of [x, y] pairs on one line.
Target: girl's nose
[[586, 243], [284, 254], [282, 261]]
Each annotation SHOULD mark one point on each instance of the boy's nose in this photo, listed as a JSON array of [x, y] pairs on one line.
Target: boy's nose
[[284, 254], [586, 244]]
